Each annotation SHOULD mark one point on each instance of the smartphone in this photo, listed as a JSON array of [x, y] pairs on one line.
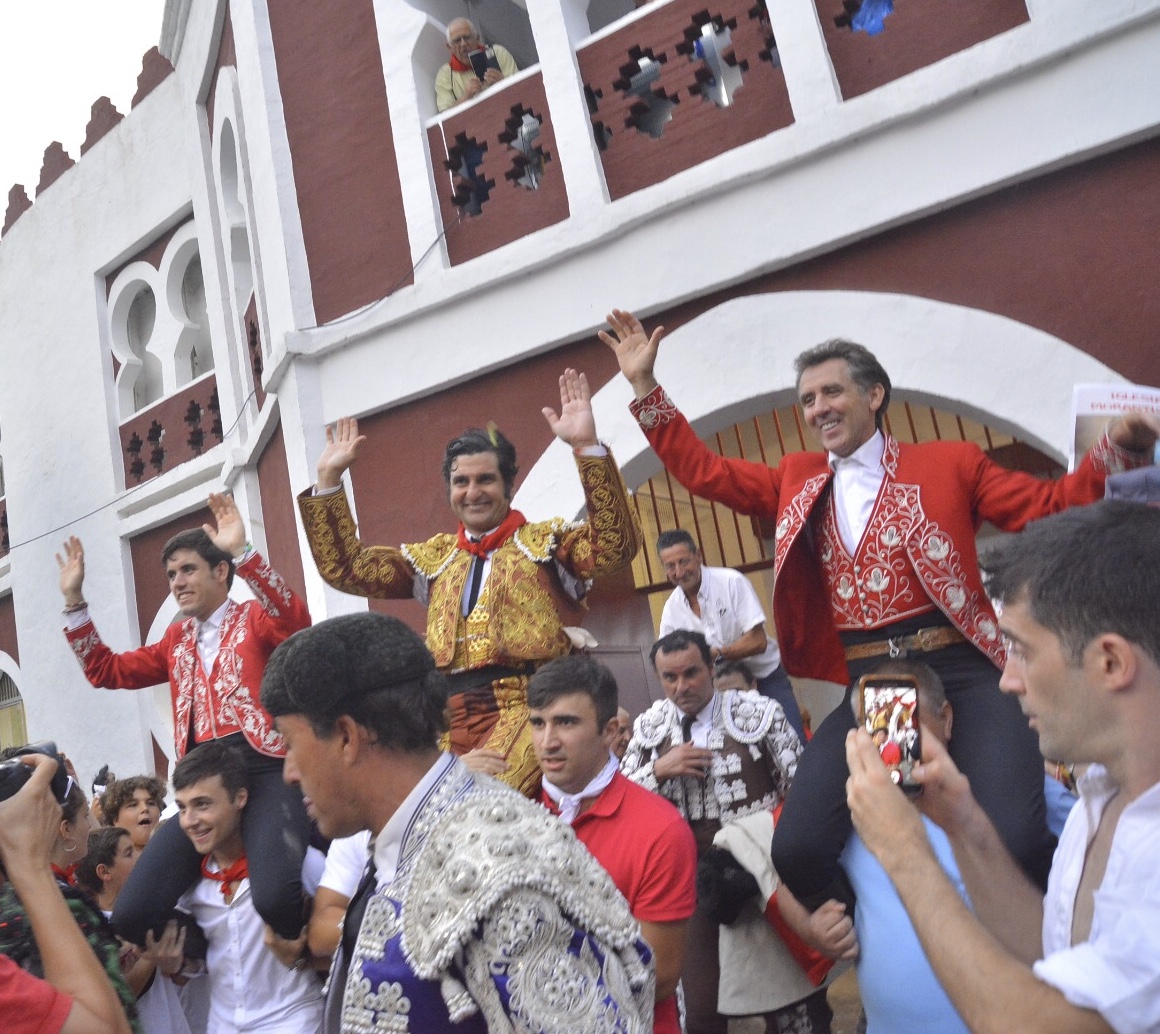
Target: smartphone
[[482, 60], [888, 710]]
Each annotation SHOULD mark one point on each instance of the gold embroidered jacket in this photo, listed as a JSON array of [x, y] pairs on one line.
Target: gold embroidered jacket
[[535, 588]]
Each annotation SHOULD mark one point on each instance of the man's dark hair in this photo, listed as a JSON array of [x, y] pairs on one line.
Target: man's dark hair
[[736, 668], [675, 537], [1084, 572], [122, 791], [370, 667], [576, 674], [103, 846], [197, 540], [473, 441], [865, 369], [209, 759], [930, 686], [679, 640]]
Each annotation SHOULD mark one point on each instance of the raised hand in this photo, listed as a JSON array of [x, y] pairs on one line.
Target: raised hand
[[342, 445], [575, 424], [72, 571], [230, 534], [1136, 431], [636, 352]]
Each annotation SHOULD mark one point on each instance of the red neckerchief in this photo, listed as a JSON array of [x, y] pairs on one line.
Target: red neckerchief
[[459, 66], [67, 875], [492, 540], [235, 873]]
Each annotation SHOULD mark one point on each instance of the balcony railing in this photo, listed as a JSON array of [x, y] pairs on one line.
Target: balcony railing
[[171, 431], [497, 169]]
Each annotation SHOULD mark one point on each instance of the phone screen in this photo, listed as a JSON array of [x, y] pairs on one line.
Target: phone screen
[[889, 712]]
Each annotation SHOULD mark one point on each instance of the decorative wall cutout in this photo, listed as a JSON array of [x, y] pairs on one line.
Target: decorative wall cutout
[[472, 188], [868, 16], [173, 431], [729, 58], [874, 42], [522, 135], [495, 159], [158, 321], [653, 108], [710, 41]]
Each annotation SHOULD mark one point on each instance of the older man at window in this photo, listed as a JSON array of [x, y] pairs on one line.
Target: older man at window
[[458, 80]]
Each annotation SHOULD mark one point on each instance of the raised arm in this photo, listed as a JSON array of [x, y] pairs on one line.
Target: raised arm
[[343, 443], [380, 572], [635, 351], [575, 424], [228, 532], [72, 572], [29, 824], [612, 535]]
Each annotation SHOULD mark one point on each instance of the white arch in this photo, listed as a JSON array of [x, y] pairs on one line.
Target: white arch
[[737, 360]]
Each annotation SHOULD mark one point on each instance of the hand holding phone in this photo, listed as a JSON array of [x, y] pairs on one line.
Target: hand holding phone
[[888, 710]]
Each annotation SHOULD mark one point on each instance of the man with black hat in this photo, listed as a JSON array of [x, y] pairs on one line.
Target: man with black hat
[[478, 910]]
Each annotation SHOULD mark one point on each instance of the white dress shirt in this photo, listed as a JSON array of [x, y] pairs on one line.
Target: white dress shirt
[[857, 480], [1116, 971]]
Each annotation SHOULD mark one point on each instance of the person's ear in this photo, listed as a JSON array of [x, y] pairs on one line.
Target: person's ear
[[104, 873], [241, 797], [1114, 660], [610, 731]]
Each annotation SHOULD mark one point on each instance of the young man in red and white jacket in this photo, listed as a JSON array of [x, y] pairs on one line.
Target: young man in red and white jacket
[[214, 661]]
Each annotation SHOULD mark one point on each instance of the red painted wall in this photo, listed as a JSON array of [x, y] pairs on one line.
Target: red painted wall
[[8, 642], [335, 100]]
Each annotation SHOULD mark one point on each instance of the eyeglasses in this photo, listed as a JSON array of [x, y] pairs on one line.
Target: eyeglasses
[[463, 39]]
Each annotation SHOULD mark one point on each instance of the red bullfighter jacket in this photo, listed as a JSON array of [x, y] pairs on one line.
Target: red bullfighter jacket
[[934, 498], [227, 700]]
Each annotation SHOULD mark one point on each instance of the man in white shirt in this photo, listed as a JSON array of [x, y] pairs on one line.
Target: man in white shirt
[[1080, 611], [258, 982], [721, 604]]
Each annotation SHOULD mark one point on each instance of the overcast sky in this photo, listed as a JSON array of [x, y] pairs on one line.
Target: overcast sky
[[57, 57]]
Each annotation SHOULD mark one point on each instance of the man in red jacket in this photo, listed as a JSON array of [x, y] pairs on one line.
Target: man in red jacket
[[214, 661], [875, 557]]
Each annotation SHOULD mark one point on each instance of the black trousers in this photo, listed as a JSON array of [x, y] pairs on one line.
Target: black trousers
[[276, 832], [991, 743]]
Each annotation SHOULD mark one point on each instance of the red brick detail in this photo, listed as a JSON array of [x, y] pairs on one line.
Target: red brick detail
[[5, 541], [280, 514], [154, 71], [918, 33], [8, 640], [699, 129], [104, 117], [511, 211], [171, 431], [55, 164], [18, 204], [334, 96]]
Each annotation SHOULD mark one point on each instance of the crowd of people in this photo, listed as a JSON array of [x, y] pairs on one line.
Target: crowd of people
[[468, 832]]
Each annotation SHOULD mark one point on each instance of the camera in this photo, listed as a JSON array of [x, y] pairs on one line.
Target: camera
[[14, 773]]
